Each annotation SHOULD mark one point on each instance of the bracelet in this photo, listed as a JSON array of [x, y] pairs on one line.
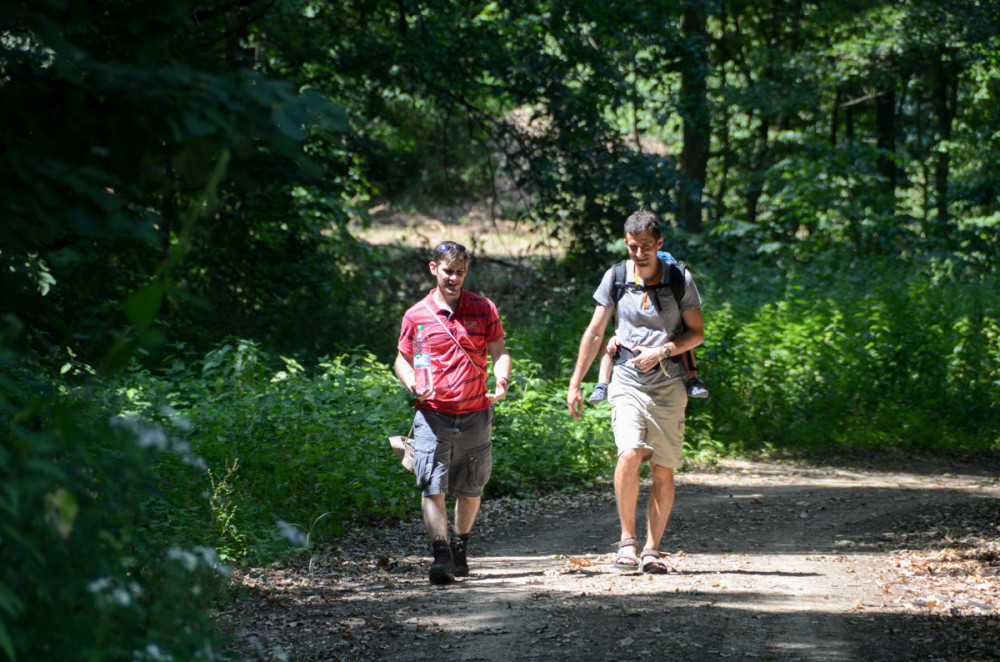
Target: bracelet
[[505, 381], [659, 352]]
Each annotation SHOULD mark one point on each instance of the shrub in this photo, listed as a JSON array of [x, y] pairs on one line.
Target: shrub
[[283, 444], [78, 579], [876, 354], [538, 445]]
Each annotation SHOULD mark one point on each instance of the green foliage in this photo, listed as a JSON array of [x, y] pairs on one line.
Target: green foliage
[[281, 444], [117, 118], [537, 443], [77, 482], [870, 354], [824, 356], [178, 182]]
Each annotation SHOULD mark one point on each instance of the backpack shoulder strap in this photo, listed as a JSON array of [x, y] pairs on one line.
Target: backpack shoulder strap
[[678, 281], [618, 280]]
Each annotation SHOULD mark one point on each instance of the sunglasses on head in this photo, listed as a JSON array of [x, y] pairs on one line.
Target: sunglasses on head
[[449, 245]]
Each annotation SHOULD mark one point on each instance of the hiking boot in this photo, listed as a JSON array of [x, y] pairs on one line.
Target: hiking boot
[[443, 567], [696, 389], [459, 548], [600, 393]]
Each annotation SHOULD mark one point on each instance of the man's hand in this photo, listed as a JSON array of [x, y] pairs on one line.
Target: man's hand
[[500, 393], [574, 400], [422, 395], [612, 345], [647, 358], [404, 370]]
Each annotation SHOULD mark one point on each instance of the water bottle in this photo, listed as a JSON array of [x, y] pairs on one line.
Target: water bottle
[[422, 363]]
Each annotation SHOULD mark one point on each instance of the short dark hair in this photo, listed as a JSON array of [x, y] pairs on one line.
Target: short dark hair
[[643, 220], [450, 251]]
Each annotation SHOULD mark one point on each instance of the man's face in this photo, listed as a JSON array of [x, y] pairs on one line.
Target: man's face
[[642, 247], [450, 276]]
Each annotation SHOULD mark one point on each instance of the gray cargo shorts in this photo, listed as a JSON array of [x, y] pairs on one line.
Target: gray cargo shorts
[[452, 453]]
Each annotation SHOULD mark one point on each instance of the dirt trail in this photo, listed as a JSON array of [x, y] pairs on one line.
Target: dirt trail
[[770, 562]]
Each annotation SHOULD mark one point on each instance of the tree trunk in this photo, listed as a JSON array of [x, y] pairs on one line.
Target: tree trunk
[[925, 175], [849, 125], [725, 157], [885, 136], [697, 125], [236, 32], [834, 116], [724, 153], [756, 188], [945, 91]]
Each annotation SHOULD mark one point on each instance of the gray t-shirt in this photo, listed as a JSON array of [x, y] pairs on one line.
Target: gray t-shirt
[[637, 322]]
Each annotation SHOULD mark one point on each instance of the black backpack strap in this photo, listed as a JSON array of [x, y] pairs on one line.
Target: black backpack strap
[[678, 282], [678, 285], [618, 282], [618, 285], [675, 280]]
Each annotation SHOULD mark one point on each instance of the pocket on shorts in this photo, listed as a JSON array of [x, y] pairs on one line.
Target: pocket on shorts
[[481, 465], [424, 451], [479, 468], [423, 464]]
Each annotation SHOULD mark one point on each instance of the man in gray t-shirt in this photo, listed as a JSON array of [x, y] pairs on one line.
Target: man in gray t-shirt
[[646, 393], [641, 322]]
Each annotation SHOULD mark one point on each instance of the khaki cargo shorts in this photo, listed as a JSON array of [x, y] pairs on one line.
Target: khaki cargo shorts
[[651, 420]]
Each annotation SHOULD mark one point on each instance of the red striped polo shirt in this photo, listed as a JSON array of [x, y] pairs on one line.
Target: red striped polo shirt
[[459, 387]]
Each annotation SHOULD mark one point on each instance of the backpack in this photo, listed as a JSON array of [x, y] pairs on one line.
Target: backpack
[[675, 281]]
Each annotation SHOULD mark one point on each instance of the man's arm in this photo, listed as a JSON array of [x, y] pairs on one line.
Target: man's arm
[[590, 344], [694, 333], [501, 369], [648, 358]]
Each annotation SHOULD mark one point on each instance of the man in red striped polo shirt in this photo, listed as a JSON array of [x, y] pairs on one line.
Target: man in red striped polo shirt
[[454, 418]]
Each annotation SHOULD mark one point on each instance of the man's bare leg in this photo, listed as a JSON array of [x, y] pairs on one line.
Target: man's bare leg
[[466, 509], [435, 512], [661, 502], [627, 493]]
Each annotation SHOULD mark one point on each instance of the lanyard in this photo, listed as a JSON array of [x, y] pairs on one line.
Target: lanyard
[[644, 285]]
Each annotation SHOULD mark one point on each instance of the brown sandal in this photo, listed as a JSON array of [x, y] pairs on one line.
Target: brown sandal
[[652, 563]]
